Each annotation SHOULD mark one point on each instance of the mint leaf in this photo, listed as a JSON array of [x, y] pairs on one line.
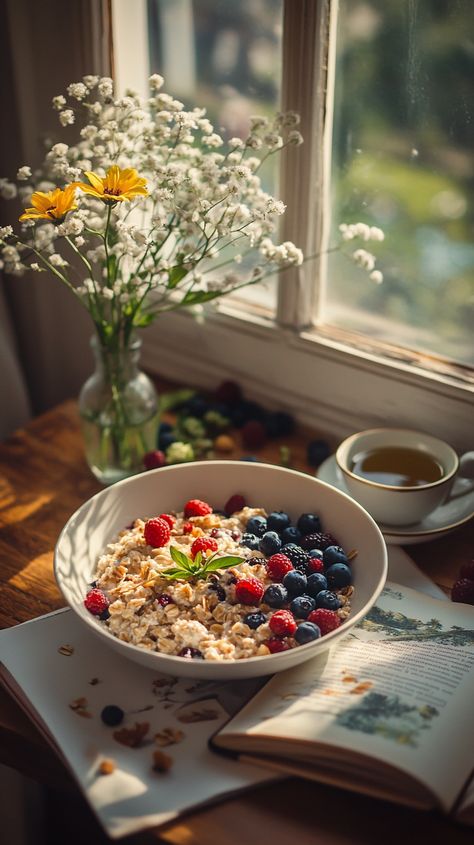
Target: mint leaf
[[215, 563], [182, 560], [176, 573]]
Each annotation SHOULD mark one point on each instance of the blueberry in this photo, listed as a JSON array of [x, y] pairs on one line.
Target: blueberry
[[291, 535], [334, 554], [166, 439], [295, 582], [250, 541], [254, 620], [112, 715], [250, 458], [104, 615], [317, 451], [257, 525], [165, 427], [197, 406], [316, 553], [191, 653], [339, 575], [278, 521], [301, 606], [309, 523], [244, 411], [276, 595], [270, 543], [327, 600], [279, 424], [306, 633], [316, 583]]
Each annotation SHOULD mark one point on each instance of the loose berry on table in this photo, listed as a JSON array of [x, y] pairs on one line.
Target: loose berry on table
[[295, 582], [229, 392], [157, 532], [278, 521], [282, 622], [250, 541], [112, 715], [307, 632], [463, 591], [195, 507], [334, 554], [326, 620], [257, 525], [234, 504], [339, 575], [224, 443], [249, 590], [301, 606], [270, 543], [203, 544], [316, 583], [309, 523], [279, 424], [328, 600], [317, 451], [277, 567], [96, 602], [276, 595], [290, 535], [154, 459], [253, 434], [254, 620]]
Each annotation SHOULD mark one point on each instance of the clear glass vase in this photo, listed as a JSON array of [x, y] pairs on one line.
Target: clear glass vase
[[118, 406]]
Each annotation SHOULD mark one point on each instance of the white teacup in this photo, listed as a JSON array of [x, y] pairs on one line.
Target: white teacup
[[400, 476]]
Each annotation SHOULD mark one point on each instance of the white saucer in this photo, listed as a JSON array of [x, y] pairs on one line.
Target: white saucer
[[443, 520]]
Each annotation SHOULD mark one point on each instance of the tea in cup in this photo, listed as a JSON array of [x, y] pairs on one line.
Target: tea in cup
[[400, 476]]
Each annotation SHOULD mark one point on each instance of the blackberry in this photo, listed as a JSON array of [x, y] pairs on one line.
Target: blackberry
[[309, 523], [298, 556], [278, 521], [254, 620], [256, 525], [317, 541], [275, 595], [218, 589], [255, 561]]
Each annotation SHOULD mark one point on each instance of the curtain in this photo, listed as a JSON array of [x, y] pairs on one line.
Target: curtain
[[45, 334]]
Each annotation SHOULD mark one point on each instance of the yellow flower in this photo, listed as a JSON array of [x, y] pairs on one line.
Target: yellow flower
[[52, 205], [118, 185]]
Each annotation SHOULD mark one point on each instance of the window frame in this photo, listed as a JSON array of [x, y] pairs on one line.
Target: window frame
[[290, 360]]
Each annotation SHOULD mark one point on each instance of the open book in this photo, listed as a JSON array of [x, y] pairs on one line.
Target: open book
[[387, 713]]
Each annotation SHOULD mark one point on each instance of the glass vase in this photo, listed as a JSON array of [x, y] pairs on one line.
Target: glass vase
[[118, 406]]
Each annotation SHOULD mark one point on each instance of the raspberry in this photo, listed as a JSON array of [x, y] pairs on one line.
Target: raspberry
[[253, 434], [187, 527], [196, 508], [203, 544], [467, 571], [283, 623], [157, 532], [154, 459], [277, 567], [315, 565], [463, 590], [326, 620], [96, 601], [235, 503], [275, 645], [249, 590], [170, 520]]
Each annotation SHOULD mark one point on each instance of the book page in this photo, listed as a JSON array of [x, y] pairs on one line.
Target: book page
[[399, 689], [63, 676]]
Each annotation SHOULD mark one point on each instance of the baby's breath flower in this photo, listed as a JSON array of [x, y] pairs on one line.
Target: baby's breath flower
[[8, 190], [59, 102], [376, 276], [57, 260], [295, 137], [156, 82], [364, 259], [5, 232], [66, 117], [24, 173], [77, 90]]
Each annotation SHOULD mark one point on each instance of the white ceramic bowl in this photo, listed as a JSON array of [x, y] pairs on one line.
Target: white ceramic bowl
[[97, 521]]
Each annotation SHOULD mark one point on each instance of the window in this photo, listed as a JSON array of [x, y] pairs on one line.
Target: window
[[332, 327]]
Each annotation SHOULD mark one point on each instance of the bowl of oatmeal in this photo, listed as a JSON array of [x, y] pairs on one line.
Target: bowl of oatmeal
[[220, 569]]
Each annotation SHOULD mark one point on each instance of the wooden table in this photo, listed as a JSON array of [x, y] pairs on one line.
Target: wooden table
[[43, 479]]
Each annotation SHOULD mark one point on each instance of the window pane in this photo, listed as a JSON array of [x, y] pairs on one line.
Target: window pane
[[403, 160], [226, 57]]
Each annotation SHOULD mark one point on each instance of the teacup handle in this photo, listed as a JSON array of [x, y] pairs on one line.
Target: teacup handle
[[466, 470]]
